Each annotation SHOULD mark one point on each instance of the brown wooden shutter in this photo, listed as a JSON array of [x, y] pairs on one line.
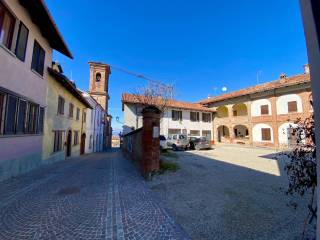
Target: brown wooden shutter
[[292, 106], [264, 109], [266, 134]]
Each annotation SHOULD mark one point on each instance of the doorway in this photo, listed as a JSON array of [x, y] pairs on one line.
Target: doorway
[[69, 143], [83, 143]]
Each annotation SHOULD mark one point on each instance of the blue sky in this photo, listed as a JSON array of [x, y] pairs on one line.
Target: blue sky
[[199, 46]]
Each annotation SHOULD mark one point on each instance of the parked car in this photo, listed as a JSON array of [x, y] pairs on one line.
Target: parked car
[[178, 141], [198, 143], [163, 142]]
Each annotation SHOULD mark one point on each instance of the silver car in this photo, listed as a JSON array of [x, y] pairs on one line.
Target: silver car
[[178, 141]]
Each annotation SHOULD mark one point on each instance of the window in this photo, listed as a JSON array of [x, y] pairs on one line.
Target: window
[[235, 113], [194, 133], [57, 142], [76, 138], [33, 118], [176, 115], [266, 134], [78, 114], [70, 110], [172, 131], [206, 117], [22, 42], [22, 117], [2, 96], [19, 116], [84, 115], [292, 106], [41, 121], [61, 105], [194, 117], [38, 58], [98, 77], [206, 134], [264, 109], [7, 23], [90, 142], [11, 115]]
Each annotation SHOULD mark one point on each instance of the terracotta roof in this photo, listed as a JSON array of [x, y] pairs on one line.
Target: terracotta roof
[[131, 98], [280, 83], [41, 16], [69, 86]]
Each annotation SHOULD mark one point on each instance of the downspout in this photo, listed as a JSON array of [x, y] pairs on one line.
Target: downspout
[[94, 127]]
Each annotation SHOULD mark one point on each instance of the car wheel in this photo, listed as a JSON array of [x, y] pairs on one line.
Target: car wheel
[[197, 148], [174, 147]]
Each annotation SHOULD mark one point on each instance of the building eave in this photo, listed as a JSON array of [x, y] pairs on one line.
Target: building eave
[[41, 16]]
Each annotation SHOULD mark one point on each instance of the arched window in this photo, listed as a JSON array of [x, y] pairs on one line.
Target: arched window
[[98, 77]]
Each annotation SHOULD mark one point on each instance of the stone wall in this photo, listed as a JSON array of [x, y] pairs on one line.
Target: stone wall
[[132, 145]]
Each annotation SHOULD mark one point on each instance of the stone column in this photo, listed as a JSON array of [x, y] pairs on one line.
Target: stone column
[[150, 161]]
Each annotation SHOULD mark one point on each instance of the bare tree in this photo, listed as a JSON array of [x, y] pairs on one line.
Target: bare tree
[[155, 94], [302, 166]]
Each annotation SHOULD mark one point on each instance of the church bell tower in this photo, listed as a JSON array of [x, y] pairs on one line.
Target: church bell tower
[[99, 81]]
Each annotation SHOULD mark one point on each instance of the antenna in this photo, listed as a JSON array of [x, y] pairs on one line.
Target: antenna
[[258, 76]]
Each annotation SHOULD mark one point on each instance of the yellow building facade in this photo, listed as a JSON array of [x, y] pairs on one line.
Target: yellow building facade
[[65, 120]]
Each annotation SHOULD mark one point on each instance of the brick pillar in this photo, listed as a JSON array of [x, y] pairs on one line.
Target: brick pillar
[[150, 141]]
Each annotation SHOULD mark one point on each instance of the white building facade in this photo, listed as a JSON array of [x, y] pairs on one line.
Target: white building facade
[[94, 126], [180, 118]]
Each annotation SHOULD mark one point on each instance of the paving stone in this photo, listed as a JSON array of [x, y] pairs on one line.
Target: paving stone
[[97, 196]]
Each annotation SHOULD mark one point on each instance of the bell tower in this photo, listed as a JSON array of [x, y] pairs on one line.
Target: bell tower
[[99, 82]]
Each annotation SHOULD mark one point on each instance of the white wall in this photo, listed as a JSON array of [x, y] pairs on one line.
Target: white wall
[[131, 120], [256, 132], [187, 125], [256, 107], [94, 126], [283, 132], [282, 103]]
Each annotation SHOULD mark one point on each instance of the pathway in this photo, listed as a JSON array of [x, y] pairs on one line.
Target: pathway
[[97, 196]]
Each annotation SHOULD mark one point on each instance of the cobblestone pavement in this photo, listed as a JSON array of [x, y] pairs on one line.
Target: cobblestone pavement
[[97, 196]]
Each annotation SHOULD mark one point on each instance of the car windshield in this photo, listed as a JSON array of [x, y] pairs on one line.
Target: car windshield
[[182, 137], [161, 137], [203, 139]]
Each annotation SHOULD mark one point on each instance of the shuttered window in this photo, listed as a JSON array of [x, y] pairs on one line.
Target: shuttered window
[[38, 58], [266, 134], [76, 138], [78, 114], [22, 42], [70, 110], [264, 109], [292, 106], [176, 115], [57, 141], [7, 23], [61, 105], [33, 118], [194, 117], [22, 117], [11, 115]]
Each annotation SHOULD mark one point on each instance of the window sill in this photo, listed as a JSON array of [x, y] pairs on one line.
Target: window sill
[[7, 50], [20, 135], [36, 73]]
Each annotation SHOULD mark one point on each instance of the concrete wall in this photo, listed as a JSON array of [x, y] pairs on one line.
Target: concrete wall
[[54, 121], [22, 153], [132, 145]]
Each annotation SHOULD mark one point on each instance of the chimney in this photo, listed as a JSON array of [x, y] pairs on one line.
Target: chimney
[[56, 66], [306, 68], [283, 77]]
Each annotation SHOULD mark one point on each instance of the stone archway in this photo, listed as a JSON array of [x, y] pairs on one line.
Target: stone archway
[[223, 134]]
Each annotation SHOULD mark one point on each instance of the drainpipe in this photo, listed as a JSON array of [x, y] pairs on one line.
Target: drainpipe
[[94, 127]]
